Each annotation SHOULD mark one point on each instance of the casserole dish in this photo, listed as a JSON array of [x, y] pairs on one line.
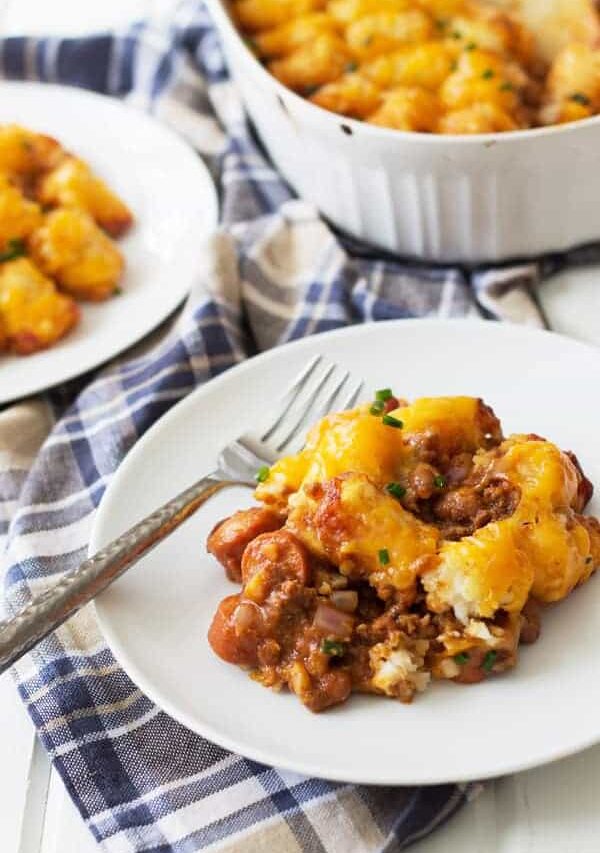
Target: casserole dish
[[470, 199]]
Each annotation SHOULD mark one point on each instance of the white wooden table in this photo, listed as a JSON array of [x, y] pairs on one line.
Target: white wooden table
[[550, 810]]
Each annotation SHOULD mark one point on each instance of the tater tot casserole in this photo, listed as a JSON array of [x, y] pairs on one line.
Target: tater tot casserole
[[404, 543], [57, 221], [433, 66]]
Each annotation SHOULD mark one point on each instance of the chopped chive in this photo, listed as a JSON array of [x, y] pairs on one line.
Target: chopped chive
[[456, 35], [461, 658], [117, 291], [350, 67], [507, 87], [391, 421], [14, 249], [333, 648], [383, 395], [489, 660], [262, 474], [384, 556], [310, 90], [454, 66], [471, 46], [580, 98], [439, 482], [396, 490], [488, 74], [441, 23], [377, 407]]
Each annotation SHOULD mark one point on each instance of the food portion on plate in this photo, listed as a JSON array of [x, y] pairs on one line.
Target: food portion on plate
[[57, 221], [433, 66], [404, 543]]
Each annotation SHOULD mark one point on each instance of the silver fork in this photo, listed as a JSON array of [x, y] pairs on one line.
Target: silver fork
[[320, 388]]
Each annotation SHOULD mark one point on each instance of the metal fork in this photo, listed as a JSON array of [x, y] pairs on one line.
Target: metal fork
[[320, 388]]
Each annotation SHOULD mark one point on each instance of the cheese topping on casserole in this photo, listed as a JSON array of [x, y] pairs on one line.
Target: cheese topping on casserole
[[404, 542], [433, 66]]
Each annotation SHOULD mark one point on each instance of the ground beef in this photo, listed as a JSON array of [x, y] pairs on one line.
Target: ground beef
[[460, 512]]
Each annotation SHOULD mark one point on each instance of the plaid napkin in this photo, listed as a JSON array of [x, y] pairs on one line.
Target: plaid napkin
[[275, 273]]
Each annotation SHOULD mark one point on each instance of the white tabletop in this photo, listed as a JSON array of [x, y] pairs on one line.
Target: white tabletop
[[550, 810]]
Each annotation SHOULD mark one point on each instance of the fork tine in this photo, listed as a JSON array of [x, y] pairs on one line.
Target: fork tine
[[296, 442], [351, 399], [327, 405], [289, 396], [306, 408]]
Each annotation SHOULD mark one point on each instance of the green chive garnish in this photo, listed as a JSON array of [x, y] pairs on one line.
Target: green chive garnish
[[439, 482], [383, 395], [488, 74], [507, 87], [471, 46], [396, 490], [14, 249], [333, 648], [580, 98], [489, 660], [391, 421], [262, 474], [350, 67], [456, 35], [461, 658], [377, 407], [384, 556]]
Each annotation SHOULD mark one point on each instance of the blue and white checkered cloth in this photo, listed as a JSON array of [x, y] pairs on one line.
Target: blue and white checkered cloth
[[141, 781]]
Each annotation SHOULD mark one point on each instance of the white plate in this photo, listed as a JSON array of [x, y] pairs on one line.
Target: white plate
[[174, 203], [156, 617]]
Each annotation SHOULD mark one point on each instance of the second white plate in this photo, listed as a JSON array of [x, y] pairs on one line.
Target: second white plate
[[174, 202], [156, 617]]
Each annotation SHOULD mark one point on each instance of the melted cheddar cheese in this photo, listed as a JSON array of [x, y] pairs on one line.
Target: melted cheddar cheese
[[335, 495], [433, 66]]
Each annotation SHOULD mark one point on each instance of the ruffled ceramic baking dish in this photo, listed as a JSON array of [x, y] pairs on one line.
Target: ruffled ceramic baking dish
[[440, 198]]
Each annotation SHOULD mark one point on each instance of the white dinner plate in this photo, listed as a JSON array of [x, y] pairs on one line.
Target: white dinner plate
[[174, 202], [156, 617]]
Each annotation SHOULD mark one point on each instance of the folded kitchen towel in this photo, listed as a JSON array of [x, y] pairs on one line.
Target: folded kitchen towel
[[275, 272]]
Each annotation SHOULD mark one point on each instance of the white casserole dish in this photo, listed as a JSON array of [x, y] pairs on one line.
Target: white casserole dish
[[439, 198]]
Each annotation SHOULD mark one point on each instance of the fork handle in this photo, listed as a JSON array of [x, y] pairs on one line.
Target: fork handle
[[48, 611]]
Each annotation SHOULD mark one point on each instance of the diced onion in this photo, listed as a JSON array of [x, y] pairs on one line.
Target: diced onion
[[333, 623], [345, 600], [245, 617]]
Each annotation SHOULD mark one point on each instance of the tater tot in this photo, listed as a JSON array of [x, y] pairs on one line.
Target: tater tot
[[18, 216], [284, 39], [73, 184], [23, 152], [264, 14], [425, 65], [73, 250], [351, 95], [408, 108], [478, 118], [384, 31], [33, 315], [312, 65]]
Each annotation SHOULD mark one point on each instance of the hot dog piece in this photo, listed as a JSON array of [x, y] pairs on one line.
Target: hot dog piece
[[227, 541], [270, 560]]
